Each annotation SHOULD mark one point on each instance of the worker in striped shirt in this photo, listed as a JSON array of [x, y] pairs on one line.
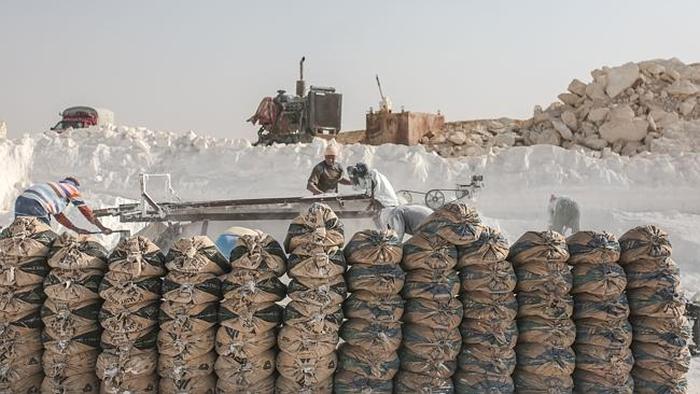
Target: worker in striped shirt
[[44, 200]]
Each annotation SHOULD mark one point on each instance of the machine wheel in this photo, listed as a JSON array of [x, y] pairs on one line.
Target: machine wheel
[[461, 193], [405, 196], [434, 198]]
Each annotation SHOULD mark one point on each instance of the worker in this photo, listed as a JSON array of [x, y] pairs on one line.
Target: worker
[[228, 240], [48, 199], [404, 219], [564, 214], [326, 175]]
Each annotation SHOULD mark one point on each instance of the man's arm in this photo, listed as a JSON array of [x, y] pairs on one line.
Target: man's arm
[[61, 218], [312, 183], [90, 216]]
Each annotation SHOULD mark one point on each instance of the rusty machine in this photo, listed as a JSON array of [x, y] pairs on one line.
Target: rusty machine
[[301, 117]]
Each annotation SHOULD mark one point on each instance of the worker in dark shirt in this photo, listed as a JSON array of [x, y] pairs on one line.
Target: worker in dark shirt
[[326, 175]]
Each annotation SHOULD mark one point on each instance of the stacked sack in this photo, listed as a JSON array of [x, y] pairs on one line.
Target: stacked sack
[[307, 358], [489, 331], [131, 292], [368, 360], [431, 337], [70, 315], [660, 331], [189, 315], [249, 316], [603, 333], [24, 247], [545, 359]]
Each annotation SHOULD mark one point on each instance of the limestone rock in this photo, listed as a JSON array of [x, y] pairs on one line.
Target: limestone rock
[[588, 129], [562, 129], [630, 148], [621, 78], [569, 99], [624, 130], [622, 113], [598, 115], [652, 123], [652, 68], [596, 91], [663, 119], [595, 142], [457, 138], [439, 139], [569, 120], [577, 87], [682, 88], [504, 139], [687, 106], [546, 136]]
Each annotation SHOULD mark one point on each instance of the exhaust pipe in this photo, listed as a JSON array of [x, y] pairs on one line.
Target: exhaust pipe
[[301, 85]]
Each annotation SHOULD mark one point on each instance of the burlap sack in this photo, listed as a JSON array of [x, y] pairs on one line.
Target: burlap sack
[[608, 334], [178, 369], [539, 247], [425, 365], [644, 243], [663, 303], [289, 386], [653, 274], [17, 341], [59, 366], [85, 340], [62, 320], [428, 251], [116, 287], [25, 241], [669, 333], [21, 367], [264, 386], [321, 292], [133, 318], [253, 286], [489, 306], [367, 306], [259, 252], [119, 368], [196, 254], [374, 336], [442, 315], [131, 341], [317, 225], [431, 284], [470, 382], [85, 383], [312, 318], [551, 278], [553, 307], [649, 382], [137, 257], [372, 247], [545, 360], [27, 385], [191, 288], [253, 318], [305, 344], [140, 384], [486, 360], [587, 307], [612, 366], [585, 382], [533, 383], [497, 333], [455, 222], [246, 371], [496, 277], [377, 279], [18, 302], [491, 247], [346, 382], [186, 345], [72, 252], [313, 261], [408, 382], [306, 371], [371, 364], [593, 247], [177, 317], [20, 272], [603, 281], [197, 385], [430, 343], [671, 363], [559, 333], [239, 344]]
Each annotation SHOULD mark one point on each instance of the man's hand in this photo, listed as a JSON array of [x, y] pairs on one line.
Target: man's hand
[[106, 231]]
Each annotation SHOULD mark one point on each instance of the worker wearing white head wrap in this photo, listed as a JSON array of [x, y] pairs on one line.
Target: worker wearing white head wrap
[[404, 219], [326, 175]]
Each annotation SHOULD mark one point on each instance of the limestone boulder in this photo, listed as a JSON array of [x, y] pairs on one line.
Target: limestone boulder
[[457, 138], [595, 142], [624, 130], [504, 139], [687, 106], [621, 78], [570, 99], [562, 129], [577, 87], [598, 115], [546, 136], [682, 88]]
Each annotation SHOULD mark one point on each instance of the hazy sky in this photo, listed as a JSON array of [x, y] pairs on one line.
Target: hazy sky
[[204, 65]]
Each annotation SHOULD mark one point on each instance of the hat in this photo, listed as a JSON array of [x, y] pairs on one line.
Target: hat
[[72, 180], [331, 150]]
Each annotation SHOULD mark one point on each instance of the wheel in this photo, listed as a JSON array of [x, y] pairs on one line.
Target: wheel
[[434, 198], [405, 196], [461, 193]]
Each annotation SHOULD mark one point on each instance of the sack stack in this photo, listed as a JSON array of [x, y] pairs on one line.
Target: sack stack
[[70, 315], [131, 291], [657, 307], [249, 316], [545, 359], [603, 333], [433, 313], [307, 358], [489, 330], [189, 316], [368, 359], [24, 249]]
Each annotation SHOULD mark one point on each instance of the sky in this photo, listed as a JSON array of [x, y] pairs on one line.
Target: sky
[[204, 66]]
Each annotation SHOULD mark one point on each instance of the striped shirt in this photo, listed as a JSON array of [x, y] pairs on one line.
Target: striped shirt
[[54, 196]]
